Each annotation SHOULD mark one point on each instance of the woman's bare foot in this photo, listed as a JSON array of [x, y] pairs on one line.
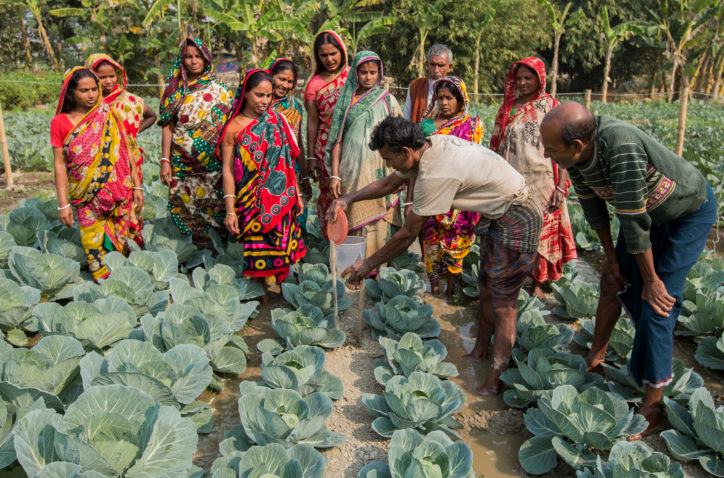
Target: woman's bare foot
[[450, 290], [492, 383], [537, 290], [652, 415], [479, 352], [434, 288]]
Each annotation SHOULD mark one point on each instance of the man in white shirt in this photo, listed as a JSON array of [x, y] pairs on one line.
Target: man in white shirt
[[452, 173], [419, 93]]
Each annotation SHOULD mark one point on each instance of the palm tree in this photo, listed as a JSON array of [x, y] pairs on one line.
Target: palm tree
[[614, 35]]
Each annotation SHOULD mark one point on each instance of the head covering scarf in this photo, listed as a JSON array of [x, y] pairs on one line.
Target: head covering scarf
[[177, 84], [99, 181], [462, 124], [289, 106], [318, 66], [510, 94]]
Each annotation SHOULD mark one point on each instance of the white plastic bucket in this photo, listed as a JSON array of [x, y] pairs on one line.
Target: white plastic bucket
[[353, 249]]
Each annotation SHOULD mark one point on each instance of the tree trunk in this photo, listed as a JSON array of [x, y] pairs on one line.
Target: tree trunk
[[700, 72], [421, 62], [554, 73], [26, 39], [672, 80], [477, 65], [652, 83], [717, 78], [606, 72], [46, 42]]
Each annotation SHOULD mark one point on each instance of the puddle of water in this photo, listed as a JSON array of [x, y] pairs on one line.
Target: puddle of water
[[495, 456], [466, 336]]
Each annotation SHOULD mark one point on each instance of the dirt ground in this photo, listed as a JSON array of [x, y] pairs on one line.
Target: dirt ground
[[35, 184]]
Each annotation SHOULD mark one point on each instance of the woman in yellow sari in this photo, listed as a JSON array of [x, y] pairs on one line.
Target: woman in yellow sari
[[94, 171]]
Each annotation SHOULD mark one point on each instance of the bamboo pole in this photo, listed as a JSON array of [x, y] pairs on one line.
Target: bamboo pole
[[681, 129], [9, 184], [587, 97]]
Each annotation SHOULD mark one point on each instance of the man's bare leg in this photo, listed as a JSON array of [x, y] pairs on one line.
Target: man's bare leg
[[650, 410], [450, 278], [505, 332], [607, 314], [486, 322]]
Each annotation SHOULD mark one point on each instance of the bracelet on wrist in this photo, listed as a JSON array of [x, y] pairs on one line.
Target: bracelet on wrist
[[137, 188], [64, 207], [407, 203], [165, 159], [231, 214], [311, 157], [229, 196], [562, 190], [336, 177]]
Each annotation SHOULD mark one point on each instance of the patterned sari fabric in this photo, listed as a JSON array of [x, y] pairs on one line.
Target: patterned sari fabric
[[326, 99], [198, 109], [449, 237], [100, 183], [128, 107], [517, 138], [354, 119], [265, 152]]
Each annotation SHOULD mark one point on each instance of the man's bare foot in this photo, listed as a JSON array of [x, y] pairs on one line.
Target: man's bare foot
[[492, 383], [434, 288], [479, 352], [353, 286], [487, 391], [264, 299], [537, 291], [652, 415], [450, 290]]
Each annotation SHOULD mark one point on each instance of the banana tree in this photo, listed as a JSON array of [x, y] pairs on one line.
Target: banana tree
[[560, 20], [373, 24], [614, 36], [479, 23], [35, 7], [425, 16]]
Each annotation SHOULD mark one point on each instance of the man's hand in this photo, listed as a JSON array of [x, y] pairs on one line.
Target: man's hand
[[357, 272], [337, 204], [556, 201], [658, 297]]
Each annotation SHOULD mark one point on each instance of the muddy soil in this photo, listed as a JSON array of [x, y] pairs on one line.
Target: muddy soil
[[36, 184]]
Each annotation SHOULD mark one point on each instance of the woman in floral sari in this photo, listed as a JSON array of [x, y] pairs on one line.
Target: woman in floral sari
[[94, 170], [258, 151], [133, 111], [516, 137], [194, 107], [320, 97], [449, 237], [362, 104]]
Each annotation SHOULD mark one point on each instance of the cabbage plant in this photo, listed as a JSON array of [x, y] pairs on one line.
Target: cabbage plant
[[302, 370], [185, 324], [392, 283], [541, 372], [97, 325], [710, 352], [110, 430], [697, 432], [635, 459], [272, 460], [7, 242], [407, 260], [704, 316], [400, 315], [684, 382], [704, 275], [66, 244], [306, 326], [134, 286], [49, 371], [318, 273], [165, 236], [309, 292], [579, 298], [48, 273], [24, 223], [281, 416], [534, 332], [161, 266], [471, 286], [411, 354], [176, 377], [10, 415], [221, 274], [619, 345], [420, 401], [413, 454], [16, 306], [570, 425]]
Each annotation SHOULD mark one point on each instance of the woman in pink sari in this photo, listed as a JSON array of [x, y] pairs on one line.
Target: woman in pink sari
[[320, 97]]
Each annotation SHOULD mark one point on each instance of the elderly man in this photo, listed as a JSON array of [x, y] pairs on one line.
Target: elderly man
[[666, 210], [419, 93], [453, 173]]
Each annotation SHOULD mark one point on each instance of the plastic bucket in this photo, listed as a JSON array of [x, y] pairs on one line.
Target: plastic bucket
[[353, 249]]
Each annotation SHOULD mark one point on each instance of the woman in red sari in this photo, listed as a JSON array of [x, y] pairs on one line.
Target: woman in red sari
[[94, 170], [516, 137], [320, 97], [258, 153]]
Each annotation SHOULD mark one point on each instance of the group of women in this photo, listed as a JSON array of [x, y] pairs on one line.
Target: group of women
[[236, 164]]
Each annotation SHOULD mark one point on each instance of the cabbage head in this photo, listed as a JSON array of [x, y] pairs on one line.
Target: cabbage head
[[570, 425], [6, 244], [309, 292], [698, 432], [306, 326], [66, 244], [710, 352], [300, 369], [400, 315], [579, 298], [635, 459], [112, 430], [685, 381], [534, 332], [704, 316], [134, 286], [392, 282], [414, 454], [318, 273], [542, 371], [161, 266], [421, 401], [706, 274], [10, 415], [24, 223], [411, 354], [16, 306], [620, 343], [281, 416], [272, 460], [161, 236], [48, 273], [407, 260], [96, 325]]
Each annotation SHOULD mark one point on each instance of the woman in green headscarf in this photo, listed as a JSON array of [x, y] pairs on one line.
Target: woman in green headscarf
[[362, 104]]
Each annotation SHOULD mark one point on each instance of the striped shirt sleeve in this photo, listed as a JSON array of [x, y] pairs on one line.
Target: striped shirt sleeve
[[594, 208], [627, 163]]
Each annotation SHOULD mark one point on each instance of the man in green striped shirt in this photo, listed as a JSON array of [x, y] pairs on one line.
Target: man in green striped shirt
[[666, 210]]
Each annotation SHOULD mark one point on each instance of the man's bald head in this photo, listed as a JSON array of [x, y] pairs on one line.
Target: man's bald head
[[573, 121]]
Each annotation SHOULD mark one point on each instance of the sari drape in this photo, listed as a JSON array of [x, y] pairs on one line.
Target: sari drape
[[449, 237], [517, 138], [326, 99], [352, 125], [266, 201], [100, 183], [199, 109]]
